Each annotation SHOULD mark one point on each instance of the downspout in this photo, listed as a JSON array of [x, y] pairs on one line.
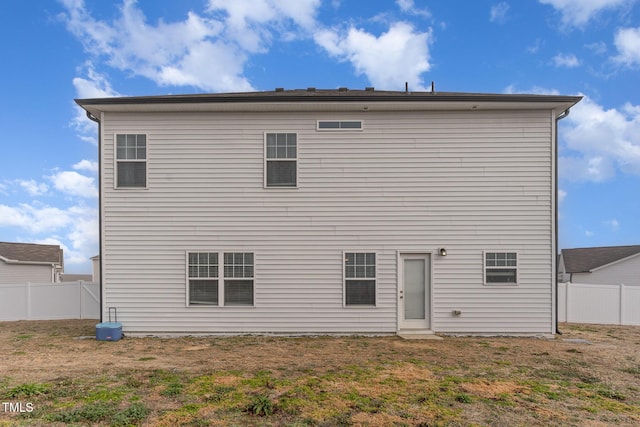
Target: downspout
[[95, 119], [561, 116]]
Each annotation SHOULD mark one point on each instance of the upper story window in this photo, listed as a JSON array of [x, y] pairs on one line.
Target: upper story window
[[131, 160], [339, 125], [281, 160], [501, 268]]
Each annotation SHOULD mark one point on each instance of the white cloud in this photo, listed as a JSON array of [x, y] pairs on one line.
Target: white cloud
[[627, 41], [206, 52], [242, 12], [585, 167], [80, 240], [86, 165], [12, 217], [33, 188], [252, 23], [499, 12], [35, 217], [75, 184], [612, 224], [405, 5], [95, 85], [561, 195], [599, 48], [164, 52], [577, 13], [83, 235], [74, 228], [401, 54], [566, 60], [537, 90], [536, 46], [408, 6], [213, 66], [600, 141], [595, 142]]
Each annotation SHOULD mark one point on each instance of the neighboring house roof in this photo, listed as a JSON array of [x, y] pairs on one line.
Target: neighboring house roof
[[584, 260], [76, 277], [316, 97], [31, 253]]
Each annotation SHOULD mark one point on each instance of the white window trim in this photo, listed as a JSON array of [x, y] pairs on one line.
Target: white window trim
[[344, 280], [264, 166], [360, 129], [221, 278], [500, 284], [115, 162]]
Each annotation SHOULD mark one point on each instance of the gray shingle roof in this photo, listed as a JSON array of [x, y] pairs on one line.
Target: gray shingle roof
[[31, 252], [317, 96], [582, 260], [76, 277]]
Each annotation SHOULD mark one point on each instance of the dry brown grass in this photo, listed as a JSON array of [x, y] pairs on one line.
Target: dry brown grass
[[319, 381]]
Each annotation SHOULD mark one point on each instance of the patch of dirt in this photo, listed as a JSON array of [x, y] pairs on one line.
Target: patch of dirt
[[492, 390], [375, 420]]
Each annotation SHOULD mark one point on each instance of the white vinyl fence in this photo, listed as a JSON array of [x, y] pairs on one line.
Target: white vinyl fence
[[49, 301], [603, 304]]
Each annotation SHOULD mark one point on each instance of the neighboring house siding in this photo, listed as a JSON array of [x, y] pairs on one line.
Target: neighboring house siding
[[23, 273], [466, 181], [95, 269], [563, 276], [625, 272]]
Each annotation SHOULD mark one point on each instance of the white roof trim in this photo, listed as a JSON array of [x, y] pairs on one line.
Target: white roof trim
[[13, 261]]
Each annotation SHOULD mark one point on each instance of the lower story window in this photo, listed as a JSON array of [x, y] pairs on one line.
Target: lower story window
[[231, 285], [203, 292], [203, 278], [501, 268], [238, 292], [238, 278], [360, 278]]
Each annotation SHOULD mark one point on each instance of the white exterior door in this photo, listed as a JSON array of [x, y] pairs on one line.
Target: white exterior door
[[414, 295]]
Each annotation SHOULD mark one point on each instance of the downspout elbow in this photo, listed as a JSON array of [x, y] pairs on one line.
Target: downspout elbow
[[92, 117], [564, 114]]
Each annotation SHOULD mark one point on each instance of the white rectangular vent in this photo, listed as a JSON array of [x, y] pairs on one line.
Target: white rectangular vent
[[339, 124]]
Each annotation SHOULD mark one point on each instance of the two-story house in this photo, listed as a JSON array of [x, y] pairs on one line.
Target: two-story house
[[329, 211]]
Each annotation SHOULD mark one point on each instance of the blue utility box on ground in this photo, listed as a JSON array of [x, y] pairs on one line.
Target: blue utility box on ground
[[109, 331]]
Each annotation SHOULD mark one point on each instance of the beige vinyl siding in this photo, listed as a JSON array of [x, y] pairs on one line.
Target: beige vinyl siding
[[23, 273], [411, 181], [622, 272]]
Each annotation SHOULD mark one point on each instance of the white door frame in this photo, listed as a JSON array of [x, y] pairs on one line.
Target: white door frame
[[416, 326]]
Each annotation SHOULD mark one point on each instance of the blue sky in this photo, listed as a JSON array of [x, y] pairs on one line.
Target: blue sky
[[55, 51]]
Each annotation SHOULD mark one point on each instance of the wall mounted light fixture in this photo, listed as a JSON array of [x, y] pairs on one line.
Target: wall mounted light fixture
[[443, 252]]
